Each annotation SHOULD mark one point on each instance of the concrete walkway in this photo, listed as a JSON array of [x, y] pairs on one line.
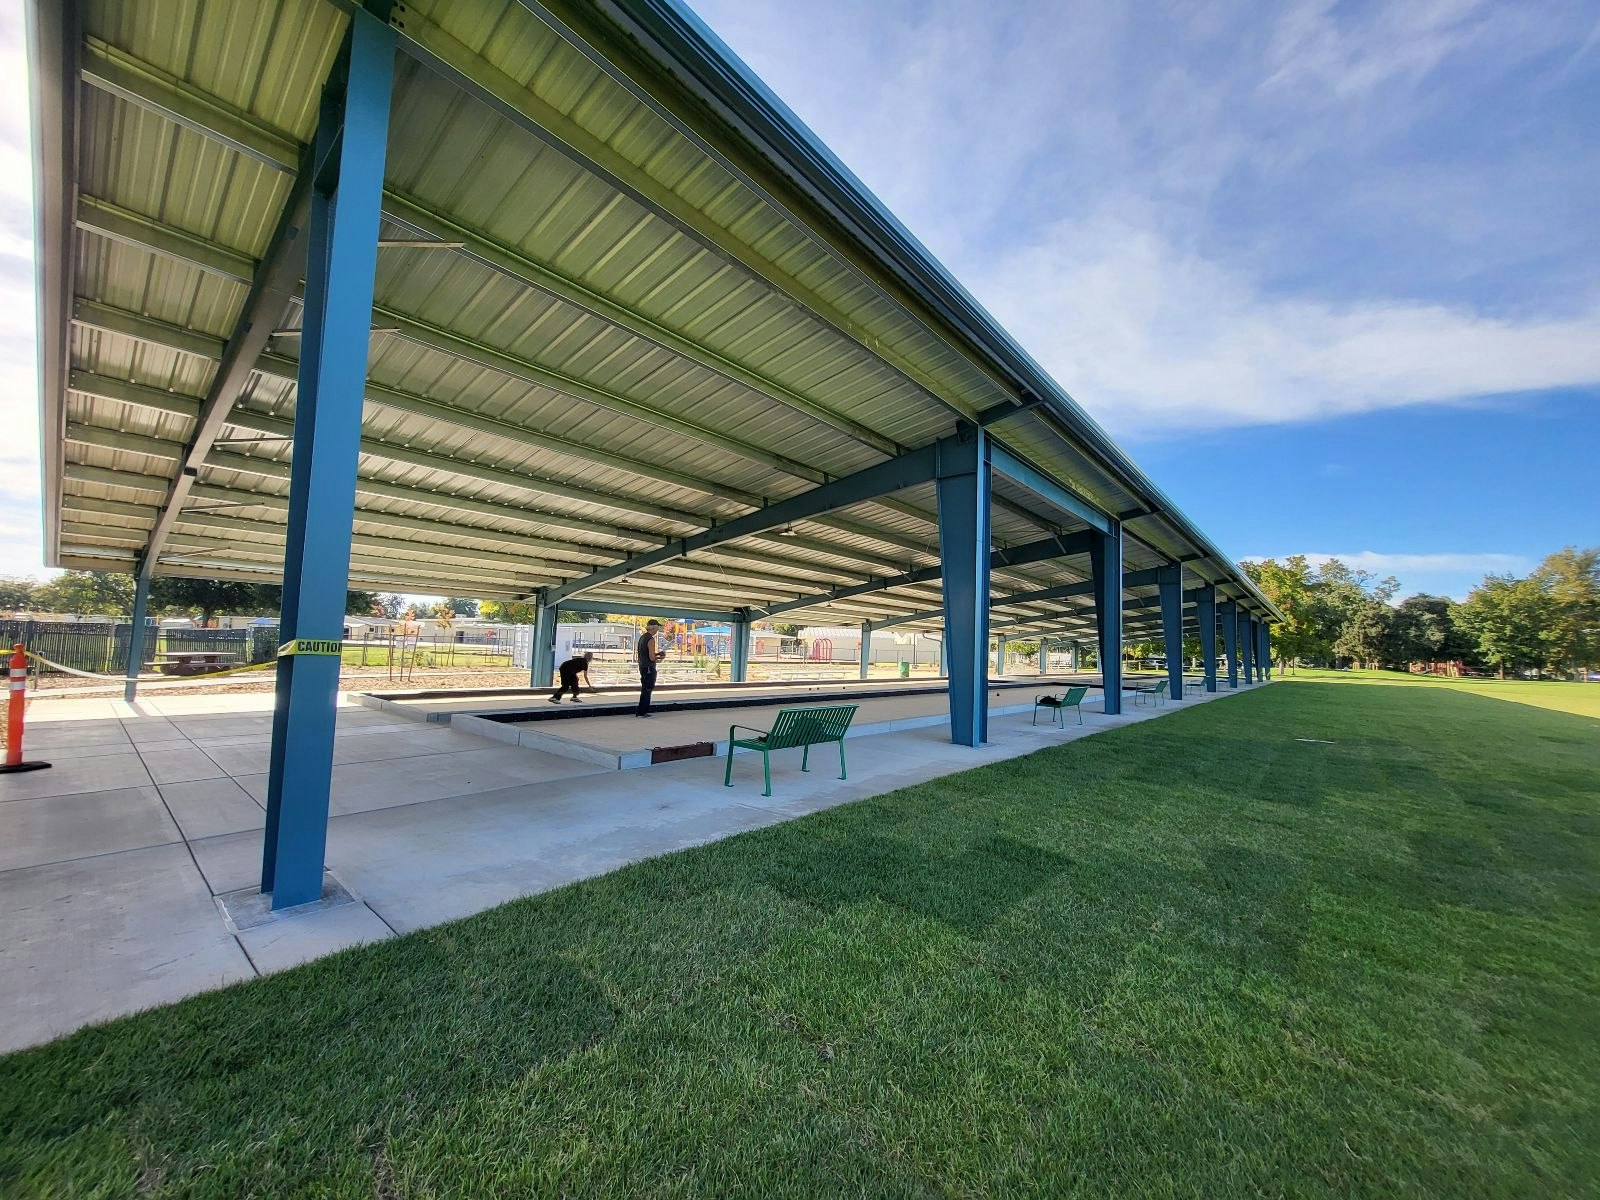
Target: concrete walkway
[[110, 862]]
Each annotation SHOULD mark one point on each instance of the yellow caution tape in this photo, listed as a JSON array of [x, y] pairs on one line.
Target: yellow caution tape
[[144, 678], [311, 646]]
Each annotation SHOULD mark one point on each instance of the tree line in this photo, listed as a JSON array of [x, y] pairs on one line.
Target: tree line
[[1547, 622], [110, 594]]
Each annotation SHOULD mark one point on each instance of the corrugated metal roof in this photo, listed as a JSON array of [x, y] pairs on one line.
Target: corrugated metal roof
[[662, 309]]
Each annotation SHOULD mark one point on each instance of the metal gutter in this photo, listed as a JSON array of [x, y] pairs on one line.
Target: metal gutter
[[53, 40], [697, 60]]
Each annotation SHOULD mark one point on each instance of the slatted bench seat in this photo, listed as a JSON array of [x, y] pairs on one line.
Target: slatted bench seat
[[804, 727]]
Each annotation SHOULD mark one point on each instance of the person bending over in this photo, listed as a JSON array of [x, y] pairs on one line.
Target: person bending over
[[577, 665]]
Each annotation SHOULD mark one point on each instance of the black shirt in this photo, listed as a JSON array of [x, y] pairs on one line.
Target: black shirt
[[647, 652], [574, 666]]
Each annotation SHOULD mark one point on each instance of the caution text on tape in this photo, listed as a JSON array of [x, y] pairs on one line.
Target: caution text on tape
[[310, 646]]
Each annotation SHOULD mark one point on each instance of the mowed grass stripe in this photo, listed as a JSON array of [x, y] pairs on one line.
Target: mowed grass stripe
[[1195, 956]]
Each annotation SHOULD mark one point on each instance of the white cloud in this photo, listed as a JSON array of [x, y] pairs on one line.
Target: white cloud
[[1252, 218], [1152, 338]]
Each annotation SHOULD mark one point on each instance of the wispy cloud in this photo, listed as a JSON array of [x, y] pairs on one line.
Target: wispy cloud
[[1152, 337], [1200, 216]]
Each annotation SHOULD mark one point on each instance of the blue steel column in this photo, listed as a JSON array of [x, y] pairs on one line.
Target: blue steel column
[[964, 548], [141, 603], [1072, 659], [352, 139], [740, 649], [1206, 612], [866, 649], [1170, 581], [1229, 613], [1106, 561], [542, 662], [1000, 655], [1247, 657], [1264, 649]]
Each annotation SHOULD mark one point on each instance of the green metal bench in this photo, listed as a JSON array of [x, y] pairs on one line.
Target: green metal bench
[[1156, 693], [793, 727], [1058, 705]]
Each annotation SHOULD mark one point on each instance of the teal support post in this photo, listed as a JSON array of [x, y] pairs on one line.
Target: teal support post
[[342, 234], [1105, 561], [1266, 650], [136, 634], [739, 651], [1170, 582], [944, 668], [1074, 658], [866, 648], [1205, 604], [1000, 655], [1247, 657], [964, 497], [1044, 654], [1228, 612], [542, 664]]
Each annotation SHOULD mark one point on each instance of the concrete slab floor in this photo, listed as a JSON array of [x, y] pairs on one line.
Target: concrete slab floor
[[111, 861]]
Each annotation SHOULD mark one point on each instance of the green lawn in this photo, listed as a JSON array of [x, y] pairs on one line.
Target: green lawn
[[1197, 956]]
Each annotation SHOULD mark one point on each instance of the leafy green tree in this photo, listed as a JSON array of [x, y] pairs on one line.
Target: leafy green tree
[[87, 593], [1571, 579], [462, 606], [360, 604], [509, 612], [16, 593], [1424, 629], [204, 598], [1292, 586], [1510, 619], [1364, 632], [390, 604]]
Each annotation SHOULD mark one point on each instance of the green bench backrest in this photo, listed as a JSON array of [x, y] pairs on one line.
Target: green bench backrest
[[808, 726]]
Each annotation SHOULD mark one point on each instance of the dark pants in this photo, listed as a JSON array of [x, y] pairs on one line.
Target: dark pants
[[647, 684], [569, 683]]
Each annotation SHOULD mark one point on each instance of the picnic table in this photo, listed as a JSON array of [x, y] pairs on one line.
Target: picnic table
[[193, 662]]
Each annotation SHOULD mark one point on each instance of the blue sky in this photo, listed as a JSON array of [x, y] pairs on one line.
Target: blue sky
[[1330, 272]]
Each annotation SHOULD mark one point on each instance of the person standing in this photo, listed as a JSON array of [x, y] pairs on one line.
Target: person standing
[[650, 653], [577, 665]]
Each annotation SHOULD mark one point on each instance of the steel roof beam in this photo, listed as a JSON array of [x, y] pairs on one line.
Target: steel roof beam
[[475, 75], [271, 529], [132, 481], [275, 282], [1048, 548], [109, 220], [148, 234], [93, 505], [272, 468], [456, 532], [121, 74], [384, 396], [1015, 467], [913, 467], [148, 330], [373, 448]]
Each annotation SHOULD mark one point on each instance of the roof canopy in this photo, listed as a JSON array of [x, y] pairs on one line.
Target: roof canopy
[[638, 339]]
